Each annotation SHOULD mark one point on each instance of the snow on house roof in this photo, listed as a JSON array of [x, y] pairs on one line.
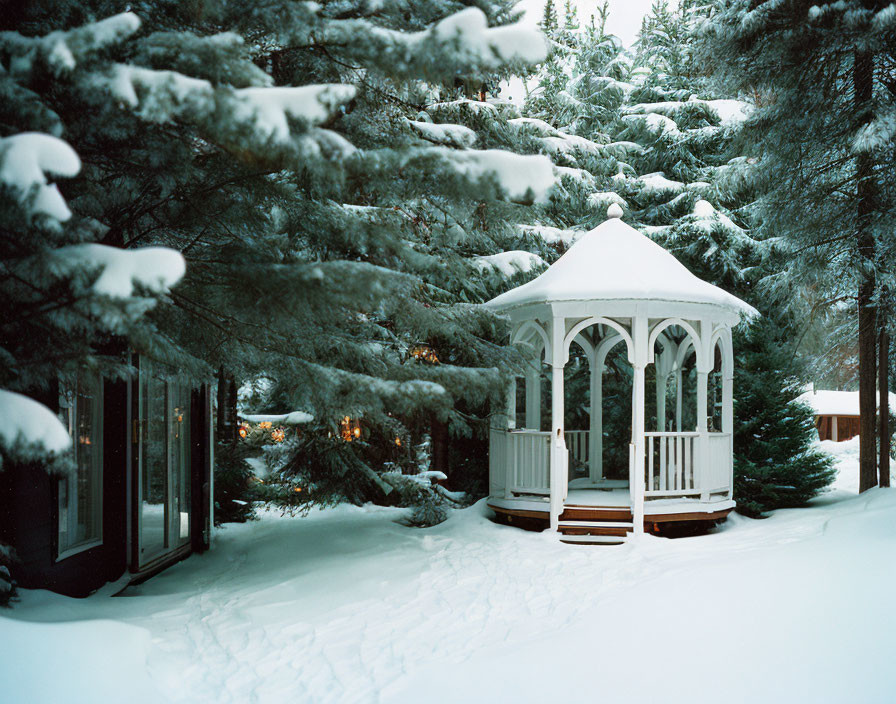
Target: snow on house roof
[[616, 262], [836, 403]]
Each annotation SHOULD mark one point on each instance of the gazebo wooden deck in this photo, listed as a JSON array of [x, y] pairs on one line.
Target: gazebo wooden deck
[[616, 286]]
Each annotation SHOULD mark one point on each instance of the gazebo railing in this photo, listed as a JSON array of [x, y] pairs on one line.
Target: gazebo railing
[[677, 464], [687, 464], [522, 457], [719, 473], [578, 442]]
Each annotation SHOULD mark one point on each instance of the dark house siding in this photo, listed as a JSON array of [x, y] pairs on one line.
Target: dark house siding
[[29, 517], [29, 506]]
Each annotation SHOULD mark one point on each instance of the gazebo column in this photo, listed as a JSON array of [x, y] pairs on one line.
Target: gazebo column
[[636, 460], [664, 364], [704, 365], [661, 382], [702, 391], [533, 394], [510, 404], [596, 430], [678, 397], [728, 406], [558, 454]]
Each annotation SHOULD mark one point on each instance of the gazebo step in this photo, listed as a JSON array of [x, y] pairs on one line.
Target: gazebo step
[[592, 539], [595, 532], [595, 513], [597, 524]]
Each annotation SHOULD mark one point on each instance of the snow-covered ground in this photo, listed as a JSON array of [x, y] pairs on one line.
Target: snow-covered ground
[[348, 606]]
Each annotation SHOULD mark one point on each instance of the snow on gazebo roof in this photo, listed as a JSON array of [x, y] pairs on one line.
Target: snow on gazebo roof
[[616, 262]]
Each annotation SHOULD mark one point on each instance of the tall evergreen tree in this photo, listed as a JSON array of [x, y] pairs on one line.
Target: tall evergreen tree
[[823, 81], [667, 150], [548, 23], [776, 464], [326, 230]]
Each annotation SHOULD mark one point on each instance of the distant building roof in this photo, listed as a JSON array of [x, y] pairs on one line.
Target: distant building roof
[[836, 403]]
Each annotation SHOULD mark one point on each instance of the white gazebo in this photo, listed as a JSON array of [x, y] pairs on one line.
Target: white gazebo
[[616, 286]]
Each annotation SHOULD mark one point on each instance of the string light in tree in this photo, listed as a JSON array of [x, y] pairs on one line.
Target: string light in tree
[[350, 428], [424, 353]]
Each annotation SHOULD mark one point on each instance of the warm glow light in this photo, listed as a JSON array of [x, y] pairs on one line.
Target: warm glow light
[[278, 435], [398, 441], [425, 353], [349, 429]]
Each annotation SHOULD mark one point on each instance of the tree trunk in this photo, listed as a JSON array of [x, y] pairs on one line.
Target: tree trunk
[[226, 418], [231, 419], [863, 83], [221, 405], [439, 451], [884, 405]]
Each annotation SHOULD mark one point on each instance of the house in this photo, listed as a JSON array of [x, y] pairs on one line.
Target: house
[[615, 286], [836, 412], [140, 498]]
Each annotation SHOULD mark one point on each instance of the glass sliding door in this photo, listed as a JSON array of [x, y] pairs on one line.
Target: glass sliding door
[[153, 464], [179, 461], [163, 464]]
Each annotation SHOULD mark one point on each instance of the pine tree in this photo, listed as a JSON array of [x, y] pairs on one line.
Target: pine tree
[[548, 23], [69, 293], [570, 23], [667, 144], [776, 464], [825, 136], [326, 229], [699, 200]]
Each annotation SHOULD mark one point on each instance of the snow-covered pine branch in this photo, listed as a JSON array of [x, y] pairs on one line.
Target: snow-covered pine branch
[[447, 134], [25, 161], [63, 50], [29, 429], [263, 111], [155, 269], [461, 43]]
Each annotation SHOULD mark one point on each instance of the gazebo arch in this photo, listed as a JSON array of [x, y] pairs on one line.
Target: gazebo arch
[[532, 326], [626, 288], [589, 322]]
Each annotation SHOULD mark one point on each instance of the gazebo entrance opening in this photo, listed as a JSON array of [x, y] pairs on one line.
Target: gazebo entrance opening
[[598, 421], [610, 448]]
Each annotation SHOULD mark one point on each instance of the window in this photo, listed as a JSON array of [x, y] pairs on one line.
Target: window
[[81, 493]]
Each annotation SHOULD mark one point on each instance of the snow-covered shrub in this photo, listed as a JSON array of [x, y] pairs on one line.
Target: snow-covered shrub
[[235, 487], [7, 583]]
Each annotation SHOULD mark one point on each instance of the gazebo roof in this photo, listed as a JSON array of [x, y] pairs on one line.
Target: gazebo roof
[[615, 262]]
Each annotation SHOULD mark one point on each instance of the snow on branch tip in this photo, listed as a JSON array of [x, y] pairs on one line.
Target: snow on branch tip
[[156, 269], [25, 423], [25, 161]]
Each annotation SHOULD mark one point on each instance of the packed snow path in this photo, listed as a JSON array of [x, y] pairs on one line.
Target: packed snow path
[[348, 606]]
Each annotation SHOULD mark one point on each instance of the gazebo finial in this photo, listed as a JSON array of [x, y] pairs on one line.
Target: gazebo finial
[[614, 211]]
